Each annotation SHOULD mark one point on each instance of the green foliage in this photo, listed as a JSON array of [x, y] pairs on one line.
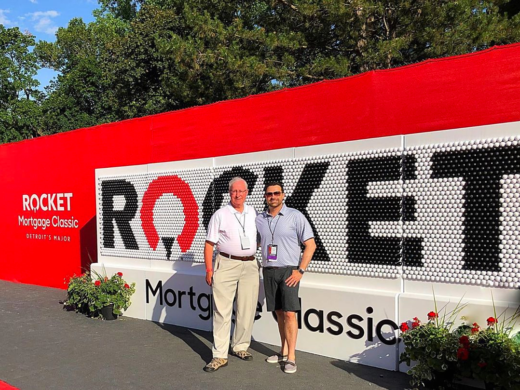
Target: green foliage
[[89, 295], [80, 97], [494, 358], [81, 293], [165, 55], [142, 57], [432, 346], [20, 111], [438, 354], [124, 9]]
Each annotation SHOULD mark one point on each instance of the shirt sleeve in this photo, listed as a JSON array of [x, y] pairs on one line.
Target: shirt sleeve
[[304, 228], [213, 229], [258, 222]]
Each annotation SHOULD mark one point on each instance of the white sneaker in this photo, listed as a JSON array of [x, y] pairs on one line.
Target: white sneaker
[[289, 367], [276, 358]]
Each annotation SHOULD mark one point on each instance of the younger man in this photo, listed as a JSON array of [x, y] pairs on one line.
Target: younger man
[[282, 230]]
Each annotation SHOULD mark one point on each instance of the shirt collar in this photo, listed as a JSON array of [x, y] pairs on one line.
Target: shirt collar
[[282, 211], [234, 211]]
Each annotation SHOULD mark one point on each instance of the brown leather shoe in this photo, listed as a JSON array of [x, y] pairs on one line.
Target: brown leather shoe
[[244, 355], [215, 364]]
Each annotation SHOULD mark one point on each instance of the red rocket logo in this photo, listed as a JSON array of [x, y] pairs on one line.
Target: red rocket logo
[[180, 189]]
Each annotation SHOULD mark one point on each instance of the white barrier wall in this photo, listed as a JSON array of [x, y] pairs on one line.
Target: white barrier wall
[[394, 218]]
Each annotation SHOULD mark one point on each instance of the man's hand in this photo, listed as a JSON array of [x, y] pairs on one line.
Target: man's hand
[[209, 277], [294, 279], [208, 261]]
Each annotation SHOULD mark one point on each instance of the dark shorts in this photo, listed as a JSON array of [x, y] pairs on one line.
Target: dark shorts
[[278, 295]]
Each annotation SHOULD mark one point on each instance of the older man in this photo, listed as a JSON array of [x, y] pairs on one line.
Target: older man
[[235, 273], [282, 230]]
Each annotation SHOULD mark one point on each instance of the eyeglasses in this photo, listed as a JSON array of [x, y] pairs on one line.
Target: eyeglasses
[[238, 192], [276, 193]]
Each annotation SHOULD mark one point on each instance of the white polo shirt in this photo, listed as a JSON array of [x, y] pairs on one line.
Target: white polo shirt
[[226, 226]]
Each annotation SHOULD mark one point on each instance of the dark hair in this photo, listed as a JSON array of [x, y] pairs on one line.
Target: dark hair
[[274, 183]]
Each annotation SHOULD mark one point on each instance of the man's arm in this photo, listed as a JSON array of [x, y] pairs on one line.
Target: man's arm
[[208, 260], [310, 247]]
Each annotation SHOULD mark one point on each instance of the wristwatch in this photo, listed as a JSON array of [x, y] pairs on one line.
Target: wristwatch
[[301, 270]]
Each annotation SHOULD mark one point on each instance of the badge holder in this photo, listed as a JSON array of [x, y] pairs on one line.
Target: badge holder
[[272, 252], [244, 242]]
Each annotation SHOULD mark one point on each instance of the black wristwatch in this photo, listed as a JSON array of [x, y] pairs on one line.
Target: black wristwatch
[[301, 270]]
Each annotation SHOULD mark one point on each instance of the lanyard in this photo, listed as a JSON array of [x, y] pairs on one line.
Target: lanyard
[[275, 225], [240, 223]]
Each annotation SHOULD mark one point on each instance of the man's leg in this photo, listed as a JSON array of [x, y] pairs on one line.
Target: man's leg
[[274, 304], [290, 305], [224, 290], [291, 333], [247, 298], [280, 318]]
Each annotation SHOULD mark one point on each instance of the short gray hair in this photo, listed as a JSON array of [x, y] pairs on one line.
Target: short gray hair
[[234, 180]]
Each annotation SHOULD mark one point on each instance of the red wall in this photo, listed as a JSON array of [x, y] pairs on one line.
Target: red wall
[[470, 90]]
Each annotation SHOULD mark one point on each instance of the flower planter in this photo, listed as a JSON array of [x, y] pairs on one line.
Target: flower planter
[[440, 380], [87, 295], [488, 356], [437, 385], [108, 312]]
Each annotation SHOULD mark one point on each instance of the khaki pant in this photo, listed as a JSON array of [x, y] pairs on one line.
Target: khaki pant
[[234, 278]]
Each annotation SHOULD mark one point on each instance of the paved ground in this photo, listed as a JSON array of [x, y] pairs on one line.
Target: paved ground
[[43, 346]]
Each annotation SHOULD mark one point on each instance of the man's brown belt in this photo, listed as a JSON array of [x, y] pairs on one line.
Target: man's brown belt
[[241, 258]]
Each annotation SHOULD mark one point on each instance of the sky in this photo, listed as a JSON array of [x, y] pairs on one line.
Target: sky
[[42, 18]]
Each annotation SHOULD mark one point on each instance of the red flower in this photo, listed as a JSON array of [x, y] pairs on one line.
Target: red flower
[[491, 321], [475, 328], [404, 327], [97, 283], [462, 354], [415, 323], [464, 340], [106, 278], [482, 364], [432, 315], [127, 286], [120, 274]]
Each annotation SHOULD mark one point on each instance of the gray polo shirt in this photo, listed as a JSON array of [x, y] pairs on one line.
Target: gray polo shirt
[[288, 230]]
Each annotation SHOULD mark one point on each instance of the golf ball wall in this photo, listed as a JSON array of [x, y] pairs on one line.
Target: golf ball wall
[[438, 213]]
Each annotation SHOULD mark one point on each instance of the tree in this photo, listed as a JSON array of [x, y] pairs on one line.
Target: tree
[[81, 95], [20, 111], [142, 57]]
